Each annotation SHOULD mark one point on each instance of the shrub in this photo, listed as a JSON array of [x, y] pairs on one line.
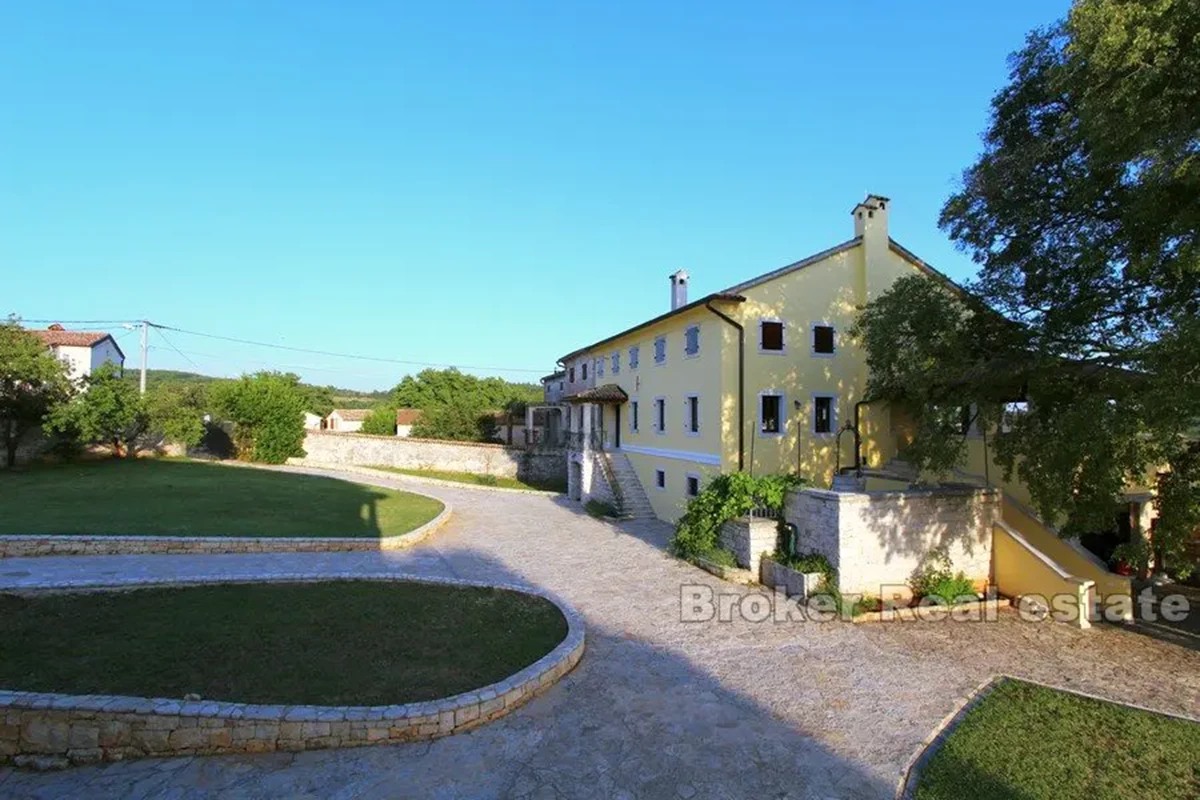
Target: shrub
[[380, 422], [721, 557], [935, 579], [267, 410], [725, 497], [457, 421], [110, 411]]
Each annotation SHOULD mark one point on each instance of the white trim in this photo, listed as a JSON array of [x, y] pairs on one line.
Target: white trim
[[833, 414], [712, 459], [696, 354], [634, 415], [812, 339], [598, 367], [783, 417], [782, 337], [687, 415], [654, 354], [614, 362], [657, 471], [688, 476], [659, 428]]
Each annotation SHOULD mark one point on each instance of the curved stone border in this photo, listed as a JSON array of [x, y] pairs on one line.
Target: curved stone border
[[27, 545], [911, 776], [46, 731], [400, 476]]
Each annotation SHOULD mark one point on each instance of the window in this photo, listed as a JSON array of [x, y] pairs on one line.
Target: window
[[600, 367], [660, 350], [691, 341], [692, 484], [822, 339], [583, 371], [660, 479], [616, 363], [660, 415], [691, 414], [571, 375], [1012, 415], [770, 413], [824, 413], [633, 357], [633, 415], [770, 336], [560, 386]]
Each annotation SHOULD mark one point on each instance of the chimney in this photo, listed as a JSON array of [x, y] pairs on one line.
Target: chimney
[[679, 282], [871, 225], [871, 217]]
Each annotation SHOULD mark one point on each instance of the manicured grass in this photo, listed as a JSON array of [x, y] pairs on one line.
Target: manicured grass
[[1026, 741], [480, 480], [341, 643], [189, 498]]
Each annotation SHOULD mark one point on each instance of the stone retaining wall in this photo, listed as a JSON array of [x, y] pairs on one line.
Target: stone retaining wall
[[45, 731], [21, 546], [408, 453], [748, 538], [877, 539]]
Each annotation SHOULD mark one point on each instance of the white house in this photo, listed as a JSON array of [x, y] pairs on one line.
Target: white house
[[405, 418], [346, 420], [312, 422], [83, 351]]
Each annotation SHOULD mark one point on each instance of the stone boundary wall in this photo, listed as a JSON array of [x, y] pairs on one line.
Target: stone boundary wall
[[400, 476], [24, 546], [748, 538], [876, 539], [357, 449], [47, 731]]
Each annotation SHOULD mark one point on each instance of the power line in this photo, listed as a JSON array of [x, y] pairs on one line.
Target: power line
[[270, 364], [163, 336], [342, 355]]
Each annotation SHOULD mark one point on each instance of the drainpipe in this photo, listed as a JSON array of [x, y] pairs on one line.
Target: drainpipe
[[858, 436], [741, 400]]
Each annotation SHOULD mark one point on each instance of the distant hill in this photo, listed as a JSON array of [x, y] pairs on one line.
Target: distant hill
[[340, 398]]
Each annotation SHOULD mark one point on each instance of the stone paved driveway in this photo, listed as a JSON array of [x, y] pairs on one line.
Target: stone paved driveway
[[657, 707]]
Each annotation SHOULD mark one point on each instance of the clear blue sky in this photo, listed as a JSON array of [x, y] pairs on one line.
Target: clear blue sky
[[467, 183]]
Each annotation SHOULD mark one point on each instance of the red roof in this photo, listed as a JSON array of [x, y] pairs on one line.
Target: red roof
[[61, 338], [407, 416]]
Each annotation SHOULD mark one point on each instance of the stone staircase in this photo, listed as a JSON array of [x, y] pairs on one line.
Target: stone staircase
[[626, 486]]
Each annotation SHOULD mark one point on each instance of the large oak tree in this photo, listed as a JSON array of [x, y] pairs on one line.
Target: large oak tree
[[1082, 214]]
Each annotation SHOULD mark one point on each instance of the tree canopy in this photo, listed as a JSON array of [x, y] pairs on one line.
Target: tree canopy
[[1082, 215], [438, 387], [32, 383], [109, 410], [267, 410]]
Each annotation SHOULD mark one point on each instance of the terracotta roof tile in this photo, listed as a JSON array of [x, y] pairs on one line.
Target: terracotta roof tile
[[71, 338]]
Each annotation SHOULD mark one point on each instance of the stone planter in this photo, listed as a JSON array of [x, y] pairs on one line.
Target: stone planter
[[790, 581]]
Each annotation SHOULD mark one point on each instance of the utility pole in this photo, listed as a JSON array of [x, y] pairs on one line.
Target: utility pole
[[145, 329]]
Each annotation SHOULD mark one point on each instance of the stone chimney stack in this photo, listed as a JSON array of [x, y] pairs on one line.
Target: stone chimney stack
[[871, 217], [679, 283]]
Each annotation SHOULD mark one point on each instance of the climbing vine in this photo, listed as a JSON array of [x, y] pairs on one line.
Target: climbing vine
[[724, 498]]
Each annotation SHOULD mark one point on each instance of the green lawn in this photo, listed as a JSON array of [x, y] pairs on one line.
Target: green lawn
[[341, 643], [188, 498], [480, 480], [1028, 742]]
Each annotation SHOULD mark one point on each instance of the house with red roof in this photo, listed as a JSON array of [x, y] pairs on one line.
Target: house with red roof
[[83, 351]]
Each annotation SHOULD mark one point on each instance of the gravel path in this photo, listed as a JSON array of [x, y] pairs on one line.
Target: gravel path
[[658, 707]]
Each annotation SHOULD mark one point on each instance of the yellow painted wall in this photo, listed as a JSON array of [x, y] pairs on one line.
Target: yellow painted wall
[[1018, 571], [711, 374]]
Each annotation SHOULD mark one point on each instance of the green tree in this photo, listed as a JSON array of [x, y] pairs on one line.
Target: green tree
[[457, 420], [1082, 213], [32, 383], [380, 422], [109, 410], [267, 410], [175, 412], [434, 387]]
